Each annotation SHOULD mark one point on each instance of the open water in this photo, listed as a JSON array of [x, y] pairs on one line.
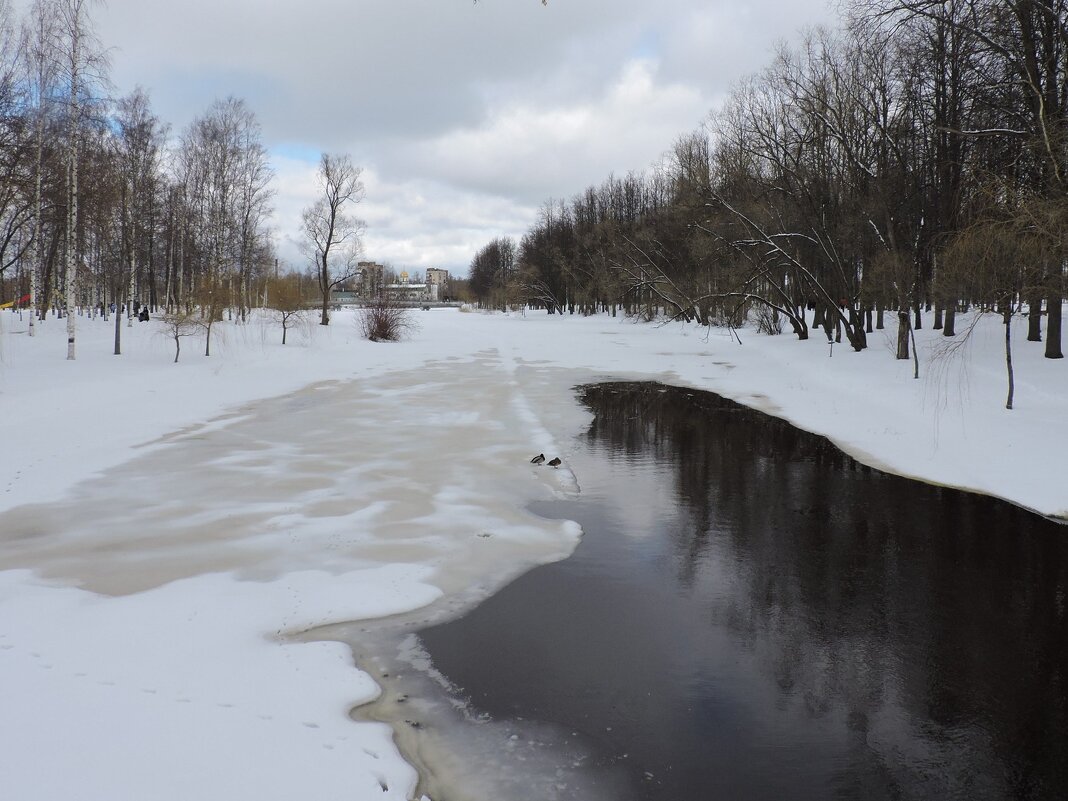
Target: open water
[[751, 614]]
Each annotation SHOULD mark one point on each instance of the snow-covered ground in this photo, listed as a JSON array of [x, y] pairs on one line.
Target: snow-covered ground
[[165, 528]]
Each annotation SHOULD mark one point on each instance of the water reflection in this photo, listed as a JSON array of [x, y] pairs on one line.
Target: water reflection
[[752, 614]]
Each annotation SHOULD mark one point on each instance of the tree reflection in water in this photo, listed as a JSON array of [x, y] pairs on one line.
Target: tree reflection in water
[[797, 625]]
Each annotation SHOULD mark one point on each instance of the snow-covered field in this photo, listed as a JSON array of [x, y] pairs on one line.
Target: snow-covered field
[[165, 528]]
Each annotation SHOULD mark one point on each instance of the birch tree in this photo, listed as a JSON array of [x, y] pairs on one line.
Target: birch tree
[[39, 39], [253, 208], [16, 210], [224, 178], [139, 146], [82, 64]]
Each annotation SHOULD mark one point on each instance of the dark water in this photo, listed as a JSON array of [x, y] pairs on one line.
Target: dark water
[[753, 615]]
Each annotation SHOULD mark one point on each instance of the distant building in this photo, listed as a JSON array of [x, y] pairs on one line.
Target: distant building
[[345, 292], [437, 281], [369, 278], [340, 296], [370, 282]]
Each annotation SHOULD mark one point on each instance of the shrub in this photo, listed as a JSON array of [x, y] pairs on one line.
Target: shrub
[[768, 321], [383, 320]]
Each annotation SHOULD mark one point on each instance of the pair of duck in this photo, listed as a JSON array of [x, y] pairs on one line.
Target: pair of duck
[[554, 462]]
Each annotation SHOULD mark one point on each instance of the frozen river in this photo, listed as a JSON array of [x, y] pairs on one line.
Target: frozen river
[[748, 610], [159, 630]]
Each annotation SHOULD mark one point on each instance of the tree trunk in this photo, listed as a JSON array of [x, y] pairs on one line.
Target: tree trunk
[[324, 278], [131, 289], [1008, 352], [72, 241], [857, 336], [72, 156], [179, 294], [903, 334], [1053, 327], [118, 333], [168, 270], [949, 327], [1034, 318], [38, 245]]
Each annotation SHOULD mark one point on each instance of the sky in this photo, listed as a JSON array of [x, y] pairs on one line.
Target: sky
[[465, 116]]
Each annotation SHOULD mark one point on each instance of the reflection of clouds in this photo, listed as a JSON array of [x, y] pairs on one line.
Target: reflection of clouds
[[639, 486], [882, 616]]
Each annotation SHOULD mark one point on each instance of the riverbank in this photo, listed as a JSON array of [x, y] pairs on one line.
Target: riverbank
[[145, 602]]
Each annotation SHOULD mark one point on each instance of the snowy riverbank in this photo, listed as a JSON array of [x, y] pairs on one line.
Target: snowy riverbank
[[164, 526]]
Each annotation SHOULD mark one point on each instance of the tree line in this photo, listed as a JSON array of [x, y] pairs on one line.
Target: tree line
[[914, 159], [103, 210]]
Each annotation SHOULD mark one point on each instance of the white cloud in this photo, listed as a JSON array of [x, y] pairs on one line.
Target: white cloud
[[535, 151]]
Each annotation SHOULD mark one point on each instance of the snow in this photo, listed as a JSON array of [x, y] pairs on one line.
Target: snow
[[169, 529]]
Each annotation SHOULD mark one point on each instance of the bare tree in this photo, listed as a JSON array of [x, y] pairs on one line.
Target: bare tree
[[16, 208], [178, 325], [285, 298], [492, 271], [40, 57], [83, 61], [998, 260], [224, 183], [139, 148], [329, 232], [1021, 49], [253, 207]]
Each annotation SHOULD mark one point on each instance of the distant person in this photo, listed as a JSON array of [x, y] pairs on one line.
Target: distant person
[[143, 315]]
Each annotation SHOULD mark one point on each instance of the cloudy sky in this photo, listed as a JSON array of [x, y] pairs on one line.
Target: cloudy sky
[[465, 117]]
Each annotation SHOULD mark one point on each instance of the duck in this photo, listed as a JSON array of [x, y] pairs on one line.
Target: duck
[[555, 462], [538, 459]]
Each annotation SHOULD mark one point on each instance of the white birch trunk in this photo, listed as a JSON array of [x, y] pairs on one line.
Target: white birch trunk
[[131, 289], [72, 155], [72, 243], [170, 267], [179, 295], [38, 245]]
